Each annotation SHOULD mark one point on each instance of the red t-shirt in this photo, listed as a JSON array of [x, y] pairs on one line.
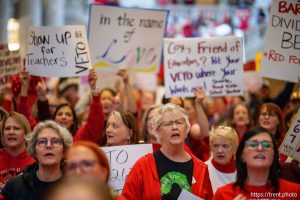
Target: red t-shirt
[[287, 190]]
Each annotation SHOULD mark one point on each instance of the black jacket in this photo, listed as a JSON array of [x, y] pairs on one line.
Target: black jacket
[[26, 186]]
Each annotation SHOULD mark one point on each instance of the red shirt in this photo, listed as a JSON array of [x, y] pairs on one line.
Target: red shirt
[[287, 190], [11, 166]]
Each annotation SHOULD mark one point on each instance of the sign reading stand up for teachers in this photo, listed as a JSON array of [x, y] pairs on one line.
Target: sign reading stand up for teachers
[[281, 55], [126, 37], [216, 64], [58, 51]]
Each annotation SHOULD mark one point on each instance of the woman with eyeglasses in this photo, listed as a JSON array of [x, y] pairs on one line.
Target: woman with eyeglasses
[[223, 144], [121, 129], [258, 171], [14, 156], [166, 173], [271, 118], [86, 159], [47, 144]]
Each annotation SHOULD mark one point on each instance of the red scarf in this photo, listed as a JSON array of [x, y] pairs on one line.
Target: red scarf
[[225, 168]]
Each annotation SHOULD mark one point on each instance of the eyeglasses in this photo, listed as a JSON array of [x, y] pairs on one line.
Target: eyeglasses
[[84, 165], [55, 142], [253, 144], [168, 124], [269, 114]]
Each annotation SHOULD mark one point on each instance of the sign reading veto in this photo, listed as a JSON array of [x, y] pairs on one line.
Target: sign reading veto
[[216, 64], [281, 55], [58, 51], [121, 159], [126, 37]]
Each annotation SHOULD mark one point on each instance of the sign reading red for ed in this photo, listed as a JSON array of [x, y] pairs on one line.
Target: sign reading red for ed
[[281, 55], [216, 64]]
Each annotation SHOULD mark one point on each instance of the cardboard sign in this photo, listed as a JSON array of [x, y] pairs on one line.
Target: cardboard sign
[[188, 195], [10, 64], [281, 55], [126, 37], [216, 64], [121, 159], [58, 51], [291, 143]]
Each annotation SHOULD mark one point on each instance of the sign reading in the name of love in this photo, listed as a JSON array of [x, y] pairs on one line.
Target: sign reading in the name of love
[[122, 159], [216, 64], [126, 37], [10, 64], [291, 143], [58, 51], [281, 55]]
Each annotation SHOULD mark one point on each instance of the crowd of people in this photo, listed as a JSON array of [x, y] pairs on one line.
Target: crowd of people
[[211, 147]]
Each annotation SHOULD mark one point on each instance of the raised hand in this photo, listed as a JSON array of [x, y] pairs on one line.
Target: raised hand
[[41, 90], [93, 77], [123, 73], [200, 94], [25, 82]]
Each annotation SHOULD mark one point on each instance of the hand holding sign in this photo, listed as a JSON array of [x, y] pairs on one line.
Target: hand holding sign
[[93, 77], [41, 90], [200, 95]]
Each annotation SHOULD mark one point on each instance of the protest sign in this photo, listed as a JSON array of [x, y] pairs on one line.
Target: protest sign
[[121, 159], [216, 64], [126, 37], [10, 63], [281, 54], [58, 51], [291, 143]]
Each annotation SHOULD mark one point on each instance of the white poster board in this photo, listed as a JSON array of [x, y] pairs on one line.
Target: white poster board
[[291, 143], [121, 159], [58, 51], [216, 64], [126, 37], [281, 54], [10, 64]]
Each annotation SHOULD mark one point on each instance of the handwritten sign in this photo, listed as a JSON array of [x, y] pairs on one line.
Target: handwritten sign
[[122, 158], [216, 64], [58, 51], [126, 37], [281, 55], [10, 63], [291, 143]]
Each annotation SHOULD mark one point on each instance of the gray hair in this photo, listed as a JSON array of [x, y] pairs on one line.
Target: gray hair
[[169, 107], [65, 135]]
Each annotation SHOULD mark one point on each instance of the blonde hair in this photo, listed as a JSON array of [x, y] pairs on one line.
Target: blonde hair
[[226, 132], [21, 119]]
